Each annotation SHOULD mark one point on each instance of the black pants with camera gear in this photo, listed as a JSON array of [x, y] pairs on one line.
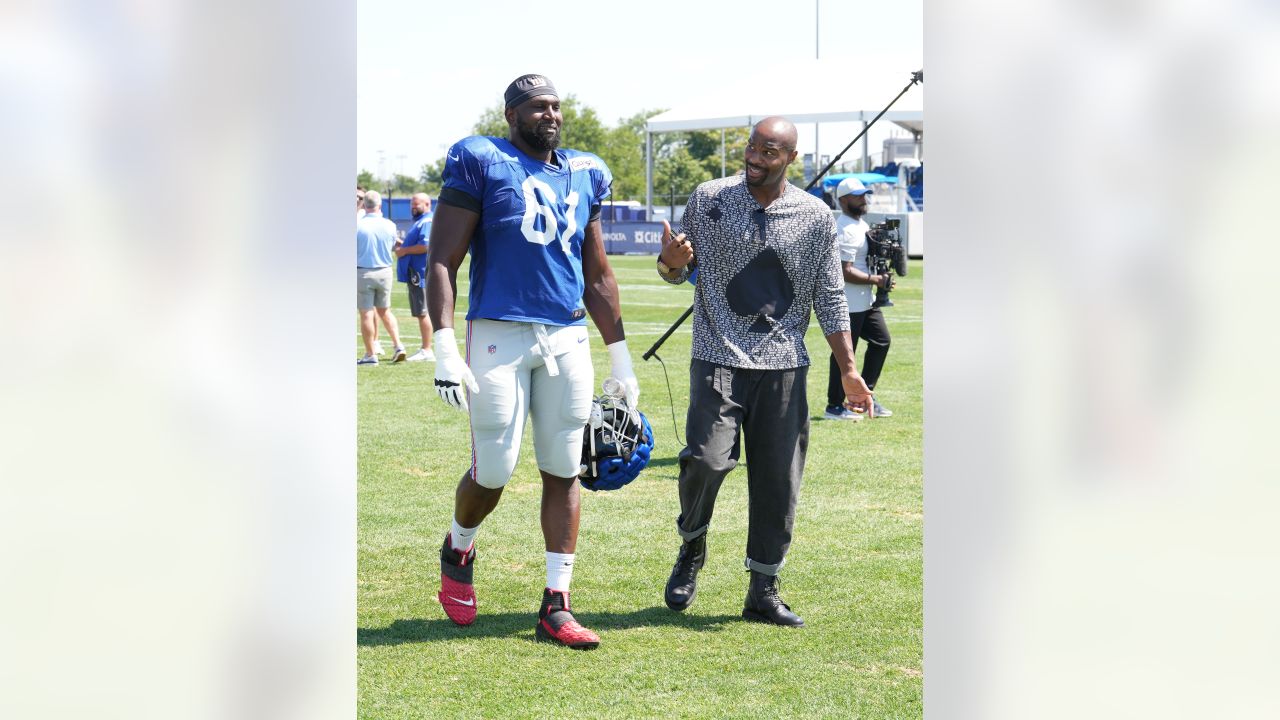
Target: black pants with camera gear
[[870, 326]]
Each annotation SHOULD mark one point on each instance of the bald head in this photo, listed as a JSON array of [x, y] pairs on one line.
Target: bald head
[[779, 128], [770, 149], [419, 204]]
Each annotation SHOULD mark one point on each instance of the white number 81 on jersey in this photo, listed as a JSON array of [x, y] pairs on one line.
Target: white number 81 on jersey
[[533, 207]]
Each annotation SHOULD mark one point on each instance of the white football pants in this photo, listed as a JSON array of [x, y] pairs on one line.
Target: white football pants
[[527, 369]]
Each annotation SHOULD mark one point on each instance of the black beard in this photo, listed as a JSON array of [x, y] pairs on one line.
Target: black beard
[[855, 213], [529, 133], [417, 215]]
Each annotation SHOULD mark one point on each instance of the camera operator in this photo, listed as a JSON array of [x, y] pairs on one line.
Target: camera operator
[[865, 321]]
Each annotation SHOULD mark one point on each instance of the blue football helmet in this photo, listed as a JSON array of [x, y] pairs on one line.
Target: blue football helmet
[[616, 443]]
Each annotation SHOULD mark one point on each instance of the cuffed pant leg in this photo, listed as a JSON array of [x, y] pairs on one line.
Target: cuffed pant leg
[[711, 430], [776, 426]]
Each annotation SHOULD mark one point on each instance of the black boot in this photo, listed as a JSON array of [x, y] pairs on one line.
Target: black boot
[[683, 583], [764, 605]]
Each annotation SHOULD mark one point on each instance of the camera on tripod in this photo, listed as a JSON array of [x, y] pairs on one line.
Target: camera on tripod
[[885, 251]]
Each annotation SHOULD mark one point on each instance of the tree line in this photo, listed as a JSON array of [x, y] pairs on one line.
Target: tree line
[[682, 160]]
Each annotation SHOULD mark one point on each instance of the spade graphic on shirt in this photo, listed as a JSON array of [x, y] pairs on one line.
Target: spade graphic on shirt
[[761, 290]]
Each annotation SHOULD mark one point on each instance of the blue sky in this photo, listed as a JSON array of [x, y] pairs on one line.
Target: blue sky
[[425, 71]]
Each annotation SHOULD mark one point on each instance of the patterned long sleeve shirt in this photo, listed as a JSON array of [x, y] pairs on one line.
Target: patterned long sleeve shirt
[[760, 272]]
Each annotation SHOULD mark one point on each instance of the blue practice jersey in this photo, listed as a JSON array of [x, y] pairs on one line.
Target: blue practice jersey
[[418, 234], [526, 253]]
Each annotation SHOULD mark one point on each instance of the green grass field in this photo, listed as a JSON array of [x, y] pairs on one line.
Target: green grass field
[[854, 571]]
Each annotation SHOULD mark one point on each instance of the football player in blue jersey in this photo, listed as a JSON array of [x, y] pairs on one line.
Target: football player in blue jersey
[[529, 213], [411, 269]]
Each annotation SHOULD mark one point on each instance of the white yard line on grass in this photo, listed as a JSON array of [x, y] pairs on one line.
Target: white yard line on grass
[[645, 328]]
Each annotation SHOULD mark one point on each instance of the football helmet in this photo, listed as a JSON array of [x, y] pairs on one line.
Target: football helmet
[[616, 443]]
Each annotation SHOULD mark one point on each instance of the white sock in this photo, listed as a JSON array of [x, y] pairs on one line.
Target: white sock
[[559, 571], [461, 538]]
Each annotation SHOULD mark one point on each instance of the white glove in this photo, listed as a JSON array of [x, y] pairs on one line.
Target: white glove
[[620, 368], [451, 371]]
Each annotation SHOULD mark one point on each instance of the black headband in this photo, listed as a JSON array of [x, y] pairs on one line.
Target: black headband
[[527, 86]]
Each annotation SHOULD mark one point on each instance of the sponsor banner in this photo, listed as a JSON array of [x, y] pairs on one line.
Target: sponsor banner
[[633, 238]]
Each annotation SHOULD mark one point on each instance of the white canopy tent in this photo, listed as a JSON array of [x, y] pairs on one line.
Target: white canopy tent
[[807, 91]]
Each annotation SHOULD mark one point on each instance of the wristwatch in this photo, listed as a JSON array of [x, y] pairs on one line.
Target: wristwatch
[[662, 267]]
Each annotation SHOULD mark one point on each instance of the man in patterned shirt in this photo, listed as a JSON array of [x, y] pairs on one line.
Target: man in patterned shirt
[[765, 252]]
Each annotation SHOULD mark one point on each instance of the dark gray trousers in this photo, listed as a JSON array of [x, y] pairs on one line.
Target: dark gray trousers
[[772, 410]]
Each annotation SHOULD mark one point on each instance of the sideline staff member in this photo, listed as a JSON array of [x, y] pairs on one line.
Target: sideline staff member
[[865, 322]]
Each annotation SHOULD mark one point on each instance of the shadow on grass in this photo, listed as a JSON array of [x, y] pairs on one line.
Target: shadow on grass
[[675, 462], [822, 418], [664, 462], [418, 630]]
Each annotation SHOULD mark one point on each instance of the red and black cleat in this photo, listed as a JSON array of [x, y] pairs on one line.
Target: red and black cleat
[[457, 593], [556, 623]]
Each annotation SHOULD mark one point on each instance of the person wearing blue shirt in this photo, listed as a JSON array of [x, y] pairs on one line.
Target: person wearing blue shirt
[[529, 213], [376, 237], [411, 269]]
